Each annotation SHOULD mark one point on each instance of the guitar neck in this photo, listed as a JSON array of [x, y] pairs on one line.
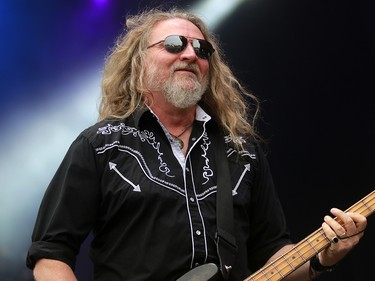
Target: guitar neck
[[308, 247]]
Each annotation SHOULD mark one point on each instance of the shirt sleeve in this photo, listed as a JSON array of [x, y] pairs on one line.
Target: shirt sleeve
[[269, 231], [69, 207]]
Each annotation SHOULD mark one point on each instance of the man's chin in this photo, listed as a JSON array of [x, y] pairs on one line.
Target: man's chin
[[185, 103], [184, 106]]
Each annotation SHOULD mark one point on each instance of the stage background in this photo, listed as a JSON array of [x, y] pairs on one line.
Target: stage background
[[311, 63]]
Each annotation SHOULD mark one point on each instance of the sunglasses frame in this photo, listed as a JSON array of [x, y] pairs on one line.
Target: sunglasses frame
[[195, 42]]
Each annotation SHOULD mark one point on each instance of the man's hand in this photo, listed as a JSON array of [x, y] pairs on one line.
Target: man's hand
[[343, 236]]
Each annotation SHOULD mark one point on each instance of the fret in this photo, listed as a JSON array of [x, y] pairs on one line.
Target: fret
[[367, 206], [301, 248], [258, 276], [372, 199], [361, 208], [307, 248], [371, 207], [312, 246], [299, 254], [322, 240], [367, 202], [316, 239], [272, 273], [265, 275], [285, 259], [293, 259], [324, 235], [278, 271]]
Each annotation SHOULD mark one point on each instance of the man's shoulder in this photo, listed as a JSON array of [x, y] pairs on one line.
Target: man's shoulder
[[113, 125], [103, 126], [243, 143], [107, 128]]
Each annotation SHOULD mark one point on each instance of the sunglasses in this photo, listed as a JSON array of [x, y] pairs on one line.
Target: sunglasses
[[177, 43]]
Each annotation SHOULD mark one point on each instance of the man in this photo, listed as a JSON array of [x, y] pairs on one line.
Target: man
[[144, 179]]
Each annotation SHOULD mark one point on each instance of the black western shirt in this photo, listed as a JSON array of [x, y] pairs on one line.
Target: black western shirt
[[152, 211]]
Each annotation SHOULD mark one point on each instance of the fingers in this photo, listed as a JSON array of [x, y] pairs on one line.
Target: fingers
[[344, 232], [352, 223], [329, 232], [348, 226], [337, 228], [359, 220]]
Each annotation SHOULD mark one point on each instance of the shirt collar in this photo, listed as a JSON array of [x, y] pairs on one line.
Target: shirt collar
[[200, 114], [140, 113]]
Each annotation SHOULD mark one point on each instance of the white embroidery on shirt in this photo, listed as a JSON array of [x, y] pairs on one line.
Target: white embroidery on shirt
[[143, 136], [246, 169], [229, 138], [107, 130], [106, 146], [242, 153], [207, 192], [207, 171], [136, 187]]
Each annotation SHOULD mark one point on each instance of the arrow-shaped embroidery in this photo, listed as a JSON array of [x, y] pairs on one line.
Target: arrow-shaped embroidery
[[247, 168], [112, 166]]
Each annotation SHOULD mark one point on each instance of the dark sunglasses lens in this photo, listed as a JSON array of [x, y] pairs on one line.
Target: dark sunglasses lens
[[202, 48], [175, 44]]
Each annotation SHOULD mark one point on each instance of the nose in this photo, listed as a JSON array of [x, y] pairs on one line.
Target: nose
[[188, 53]]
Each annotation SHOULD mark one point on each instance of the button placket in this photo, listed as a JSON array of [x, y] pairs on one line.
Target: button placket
[[197, 225]]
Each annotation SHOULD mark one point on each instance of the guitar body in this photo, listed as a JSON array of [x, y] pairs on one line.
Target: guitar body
[[205, 272]]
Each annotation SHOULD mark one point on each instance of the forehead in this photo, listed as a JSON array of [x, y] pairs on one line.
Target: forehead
[[174, 27]]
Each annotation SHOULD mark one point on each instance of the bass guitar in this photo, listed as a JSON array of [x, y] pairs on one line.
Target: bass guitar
[[292, 259]]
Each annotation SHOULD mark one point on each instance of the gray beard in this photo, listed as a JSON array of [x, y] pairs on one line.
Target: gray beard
[[180, 92], [181, 96]]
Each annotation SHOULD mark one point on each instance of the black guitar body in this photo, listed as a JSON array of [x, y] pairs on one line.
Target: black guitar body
[[205, 272]]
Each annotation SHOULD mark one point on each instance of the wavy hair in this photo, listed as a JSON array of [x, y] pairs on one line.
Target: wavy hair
[[123, 84]]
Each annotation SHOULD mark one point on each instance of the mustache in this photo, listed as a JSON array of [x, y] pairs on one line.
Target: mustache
[[186, 66]]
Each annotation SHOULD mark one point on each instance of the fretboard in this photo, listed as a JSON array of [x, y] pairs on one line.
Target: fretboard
[[308, 247]]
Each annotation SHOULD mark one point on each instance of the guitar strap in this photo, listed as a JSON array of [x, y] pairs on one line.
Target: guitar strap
[[225, 240]]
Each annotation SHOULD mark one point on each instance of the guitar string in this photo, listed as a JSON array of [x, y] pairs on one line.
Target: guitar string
[[265, 272], [281, 259], [285, 264]]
